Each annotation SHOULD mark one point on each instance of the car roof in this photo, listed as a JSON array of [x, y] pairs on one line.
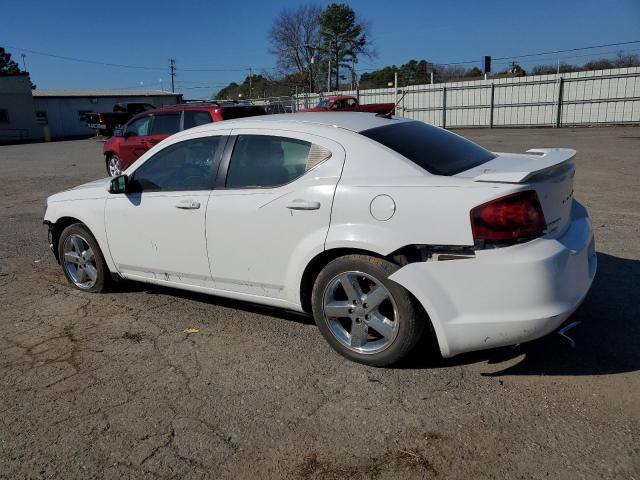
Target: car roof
[[352, 121]]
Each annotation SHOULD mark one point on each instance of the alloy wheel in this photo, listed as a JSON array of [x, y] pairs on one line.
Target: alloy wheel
[[361, 312], [113, 166], [79, 262]]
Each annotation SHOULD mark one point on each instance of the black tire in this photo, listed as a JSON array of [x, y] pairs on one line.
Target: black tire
[[103, 278], [113, 158], [411, 317]]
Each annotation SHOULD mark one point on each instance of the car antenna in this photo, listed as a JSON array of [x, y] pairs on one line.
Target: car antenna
[[390, 112]]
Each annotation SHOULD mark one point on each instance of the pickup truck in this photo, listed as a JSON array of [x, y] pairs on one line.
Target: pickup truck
[[121, 114], [350, 104]]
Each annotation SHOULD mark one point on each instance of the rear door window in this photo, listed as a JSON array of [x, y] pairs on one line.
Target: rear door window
[[193, 118], [436, 150], [263, 161], [165, 124]]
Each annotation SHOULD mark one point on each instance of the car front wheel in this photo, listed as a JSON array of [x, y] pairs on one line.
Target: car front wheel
[[82, 260], [114, 166], [362, 314]]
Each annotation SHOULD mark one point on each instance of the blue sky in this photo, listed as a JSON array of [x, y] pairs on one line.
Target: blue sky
[[232, 36]]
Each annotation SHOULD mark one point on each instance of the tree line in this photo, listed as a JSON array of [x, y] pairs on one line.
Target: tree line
[[317, 50]]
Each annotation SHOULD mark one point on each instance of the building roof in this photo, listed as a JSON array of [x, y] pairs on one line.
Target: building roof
[[103, 93]]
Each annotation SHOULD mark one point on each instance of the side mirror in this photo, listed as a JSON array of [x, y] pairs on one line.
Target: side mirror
[[119, 184], [117, 132], [128, 134]]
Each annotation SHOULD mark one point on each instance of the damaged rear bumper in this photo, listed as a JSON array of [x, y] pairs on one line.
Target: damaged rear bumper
[[508, 295]]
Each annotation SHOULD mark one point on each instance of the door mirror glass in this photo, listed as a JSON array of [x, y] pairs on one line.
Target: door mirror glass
[[117, 132], [119, 184]]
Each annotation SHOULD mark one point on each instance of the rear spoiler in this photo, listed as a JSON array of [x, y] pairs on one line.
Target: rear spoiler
[[519, 168]]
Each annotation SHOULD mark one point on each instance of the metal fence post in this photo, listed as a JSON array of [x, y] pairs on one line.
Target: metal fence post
[[444, 107], [559, 104], [493, 92], [395, 89]]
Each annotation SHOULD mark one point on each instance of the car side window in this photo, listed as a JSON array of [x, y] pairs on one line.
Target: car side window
[[186, 165], [193, 118], [166, 124], [139, 127], [262, 161], [351, 103]]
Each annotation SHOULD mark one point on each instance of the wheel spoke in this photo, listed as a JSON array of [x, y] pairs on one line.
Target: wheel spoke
[[381, 324], [72, 257], [91, 272], [81, 275], [351, 286], [376, 297], [77, 244], [338, 309], [359, 333], [88, 255]]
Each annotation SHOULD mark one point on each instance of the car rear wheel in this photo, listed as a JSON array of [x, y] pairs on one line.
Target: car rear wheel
[[362, 314], [114, 166], [82, 260]]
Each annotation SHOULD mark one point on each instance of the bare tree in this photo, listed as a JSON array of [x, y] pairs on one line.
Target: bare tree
[[294, 38]]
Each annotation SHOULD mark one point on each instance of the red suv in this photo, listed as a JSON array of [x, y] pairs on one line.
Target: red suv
[[152, 126]]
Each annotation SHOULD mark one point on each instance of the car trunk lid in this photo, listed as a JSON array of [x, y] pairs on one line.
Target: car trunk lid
[[548, 171]]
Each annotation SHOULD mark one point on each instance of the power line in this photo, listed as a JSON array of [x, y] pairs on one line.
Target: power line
[[84, 60], [567, 50], [120, 65]]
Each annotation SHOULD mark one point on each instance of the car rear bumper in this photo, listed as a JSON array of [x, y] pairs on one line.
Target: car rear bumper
[[508, 295]]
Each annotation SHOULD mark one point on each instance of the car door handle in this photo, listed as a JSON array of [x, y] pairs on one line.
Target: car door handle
[[188, 204], [299, 204]]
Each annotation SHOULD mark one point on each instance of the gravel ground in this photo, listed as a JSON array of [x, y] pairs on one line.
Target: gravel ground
[[109, 386]]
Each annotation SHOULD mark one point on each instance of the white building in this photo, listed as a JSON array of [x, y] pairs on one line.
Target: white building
[[27, 114], [63, 110]]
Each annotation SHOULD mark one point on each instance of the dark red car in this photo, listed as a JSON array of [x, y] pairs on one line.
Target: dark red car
[[152, 126], [350, 104]]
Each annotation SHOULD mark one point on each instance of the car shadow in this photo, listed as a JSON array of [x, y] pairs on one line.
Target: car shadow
[[607, 340], [130, 286]]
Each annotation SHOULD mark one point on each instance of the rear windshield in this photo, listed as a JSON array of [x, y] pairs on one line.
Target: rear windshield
[[434, 149], [229, 113]]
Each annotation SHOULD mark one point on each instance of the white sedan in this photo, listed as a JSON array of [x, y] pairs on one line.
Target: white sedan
[[382, 228]]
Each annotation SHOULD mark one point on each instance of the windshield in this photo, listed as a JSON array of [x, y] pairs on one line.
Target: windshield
[[436, 150]]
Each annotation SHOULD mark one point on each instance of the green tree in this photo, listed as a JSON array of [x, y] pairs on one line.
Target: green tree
[[473, 72], [6, 64], [343, 38], [9, 66]]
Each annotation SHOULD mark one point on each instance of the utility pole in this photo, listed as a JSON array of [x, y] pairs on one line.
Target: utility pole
[[329, 76], [311, 59], [354, 78], [250, 83], [172, 72], [24, 62]]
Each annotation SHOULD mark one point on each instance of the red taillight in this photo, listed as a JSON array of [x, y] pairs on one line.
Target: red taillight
[[513, 217], [100, 119]]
